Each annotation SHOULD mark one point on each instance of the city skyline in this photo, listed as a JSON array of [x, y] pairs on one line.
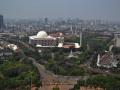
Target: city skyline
[[83, 9]]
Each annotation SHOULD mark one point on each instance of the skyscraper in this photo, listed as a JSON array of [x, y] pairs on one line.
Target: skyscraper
[[46, 20], [1, 21]]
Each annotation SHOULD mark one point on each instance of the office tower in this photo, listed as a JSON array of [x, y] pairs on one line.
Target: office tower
[[46, 20], [1, 21]]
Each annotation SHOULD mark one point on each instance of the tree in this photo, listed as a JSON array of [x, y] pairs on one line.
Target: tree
[[56, 88]]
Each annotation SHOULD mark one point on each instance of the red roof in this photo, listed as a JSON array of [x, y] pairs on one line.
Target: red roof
[[106, 59], [55, 34], [69, 46]]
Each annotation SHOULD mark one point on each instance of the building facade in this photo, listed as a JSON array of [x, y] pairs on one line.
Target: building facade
[[117, 40], [1, 21], [42, 39], [107, 60]]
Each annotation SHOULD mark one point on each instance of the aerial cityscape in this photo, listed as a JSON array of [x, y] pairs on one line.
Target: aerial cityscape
[[59, 45]]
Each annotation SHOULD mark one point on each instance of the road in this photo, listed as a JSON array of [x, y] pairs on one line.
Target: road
[[49, 79]]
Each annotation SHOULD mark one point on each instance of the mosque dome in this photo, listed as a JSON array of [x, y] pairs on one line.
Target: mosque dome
[[42, 34]]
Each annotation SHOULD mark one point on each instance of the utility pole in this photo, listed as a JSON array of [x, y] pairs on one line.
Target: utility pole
[[53, 56], [31, 82]]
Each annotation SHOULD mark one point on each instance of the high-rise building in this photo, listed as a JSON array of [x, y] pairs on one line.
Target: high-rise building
[[1, 21], [46, 20]]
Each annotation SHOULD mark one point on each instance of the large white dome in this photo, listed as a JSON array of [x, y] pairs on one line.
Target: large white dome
[[42, 34]]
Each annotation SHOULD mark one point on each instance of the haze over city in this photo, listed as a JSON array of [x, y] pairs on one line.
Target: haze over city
[[83, 9]]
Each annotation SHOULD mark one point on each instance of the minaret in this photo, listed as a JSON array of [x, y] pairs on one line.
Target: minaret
[[80, 38], [71, 29], [98, 60], [61, 38], [71, 54], [76, 30], [110, 48], [49, 29]]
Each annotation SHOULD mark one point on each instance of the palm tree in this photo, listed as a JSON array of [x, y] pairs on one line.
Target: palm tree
[[1, 76], [31, 75]]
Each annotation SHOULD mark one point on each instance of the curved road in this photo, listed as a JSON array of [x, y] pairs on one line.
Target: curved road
[[49, 79]]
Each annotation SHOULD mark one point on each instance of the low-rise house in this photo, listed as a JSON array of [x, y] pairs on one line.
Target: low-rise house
[[5, 53], [13, 47]]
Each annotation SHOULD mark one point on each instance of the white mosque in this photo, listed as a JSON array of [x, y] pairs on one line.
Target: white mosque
[[42, 39]]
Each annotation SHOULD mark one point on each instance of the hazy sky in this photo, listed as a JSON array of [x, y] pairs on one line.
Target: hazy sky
[[83, 9]]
